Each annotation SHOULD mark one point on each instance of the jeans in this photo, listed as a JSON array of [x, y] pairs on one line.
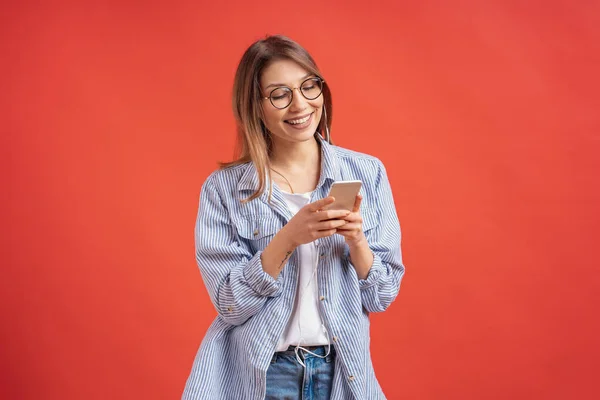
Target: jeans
[[287, 379]]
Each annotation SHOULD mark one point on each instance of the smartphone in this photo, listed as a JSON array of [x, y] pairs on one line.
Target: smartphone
[[345, 193]]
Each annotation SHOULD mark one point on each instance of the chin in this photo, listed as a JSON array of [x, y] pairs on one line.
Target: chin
[[302, 136]]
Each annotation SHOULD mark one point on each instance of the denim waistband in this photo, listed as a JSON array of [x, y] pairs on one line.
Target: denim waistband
[[320, 350], [290, 353]]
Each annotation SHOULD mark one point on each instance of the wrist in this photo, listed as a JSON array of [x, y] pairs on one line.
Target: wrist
[[358, 243], [287, 239], [361, 257]]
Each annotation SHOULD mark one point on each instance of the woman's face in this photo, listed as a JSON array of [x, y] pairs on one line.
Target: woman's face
[[298, 121]]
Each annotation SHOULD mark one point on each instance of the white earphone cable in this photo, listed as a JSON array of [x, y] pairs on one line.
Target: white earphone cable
[[299, 345]]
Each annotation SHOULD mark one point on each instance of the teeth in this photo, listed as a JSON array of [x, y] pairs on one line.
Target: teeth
[[299, 121]]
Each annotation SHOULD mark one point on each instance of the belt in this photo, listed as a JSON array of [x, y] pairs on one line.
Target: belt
[[309, 348]]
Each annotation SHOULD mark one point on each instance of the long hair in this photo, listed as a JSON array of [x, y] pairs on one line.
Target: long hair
[[253, 139]]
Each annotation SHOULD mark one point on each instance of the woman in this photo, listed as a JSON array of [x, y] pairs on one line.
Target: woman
[[293, 283]]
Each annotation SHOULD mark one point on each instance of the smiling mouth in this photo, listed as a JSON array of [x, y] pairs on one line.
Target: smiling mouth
[[299, 121]]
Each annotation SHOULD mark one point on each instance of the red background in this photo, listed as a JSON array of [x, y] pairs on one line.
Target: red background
[[485, 114]]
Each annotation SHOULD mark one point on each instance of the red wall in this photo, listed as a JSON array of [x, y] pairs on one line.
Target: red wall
[[486, 115]]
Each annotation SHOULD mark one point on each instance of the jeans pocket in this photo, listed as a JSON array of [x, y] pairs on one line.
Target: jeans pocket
[[331, 356]]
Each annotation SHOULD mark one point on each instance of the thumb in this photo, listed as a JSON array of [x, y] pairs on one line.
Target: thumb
[[319, 204], [357, 203]]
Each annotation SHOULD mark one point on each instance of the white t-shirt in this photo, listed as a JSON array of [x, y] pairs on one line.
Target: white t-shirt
[[306, 304]]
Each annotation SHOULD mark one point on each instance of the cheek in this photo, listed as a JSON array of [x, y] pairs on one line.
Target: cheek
[[318, 106], [272, 117], [317, 103]]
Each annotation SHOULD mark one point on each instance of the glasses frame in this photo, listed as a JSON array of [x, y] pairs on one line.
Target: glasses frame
[[292, 92]]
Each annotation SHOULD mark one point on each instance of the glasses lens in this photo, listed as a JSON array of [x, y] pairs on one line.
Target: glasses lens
[[281, 97], [312, 88]]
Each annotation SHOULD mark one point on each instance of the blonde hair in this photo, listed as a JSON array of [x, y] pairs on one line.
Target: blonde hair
[[253, 139]]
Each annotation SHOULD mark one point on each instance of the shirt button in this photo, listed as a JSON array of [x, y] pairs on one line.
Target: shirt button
[[255, 232], [322, 298], [351, 378], [322, 255], [230, 309], [335, 338]]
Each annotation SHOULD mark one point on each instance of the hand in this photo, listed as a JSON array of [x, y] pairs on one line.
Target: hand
[[352, 231], [311, 222]]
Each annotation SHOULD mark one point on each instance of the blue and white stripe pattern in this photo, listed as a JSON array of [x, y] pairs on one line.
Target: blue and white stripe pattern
[[253, 308]]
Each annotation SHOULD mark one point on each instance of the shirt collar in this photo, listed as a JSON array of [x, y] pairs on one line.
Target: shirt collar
[[329, 169], [249, 179]]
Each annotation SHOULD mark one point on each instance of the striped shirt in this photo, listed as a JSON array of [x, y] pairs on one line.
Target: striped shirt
[[253, 308]]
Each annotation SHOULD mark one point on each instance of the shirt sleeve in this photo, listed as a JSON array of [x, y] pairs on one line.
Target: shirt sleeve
[[382, 284], [234, 277]]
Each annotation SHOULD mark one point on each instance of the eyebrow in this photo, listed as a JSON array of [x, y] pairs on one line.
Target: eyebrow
[[283, 84]]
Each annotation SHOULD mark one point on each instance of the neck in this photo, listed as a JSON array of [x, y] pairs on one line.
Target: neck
[[294, 156]]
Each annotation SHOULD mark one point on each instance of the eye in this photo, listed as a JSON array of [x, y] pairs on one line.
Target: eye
[[280, 93], [311, 85]]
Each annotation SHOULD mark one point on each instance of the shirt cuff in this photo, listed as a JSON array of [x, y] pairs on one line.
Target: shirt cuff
[[374, 273], [258, 280]]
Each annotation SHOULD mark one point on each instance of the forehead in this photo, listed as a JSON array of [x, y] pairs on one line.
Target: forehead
[[285, 72]]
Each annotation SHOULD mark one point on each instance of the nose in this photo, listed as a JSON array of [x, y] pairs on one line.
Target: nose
[[299, 102]]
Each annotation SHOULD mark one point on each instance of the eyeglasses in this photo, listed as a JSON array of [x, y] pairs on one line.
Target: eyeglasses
[[282, 96]]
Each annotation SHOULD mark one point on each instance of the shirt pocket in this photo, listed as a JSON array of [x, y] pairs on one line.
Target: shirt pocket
[[258, 230]]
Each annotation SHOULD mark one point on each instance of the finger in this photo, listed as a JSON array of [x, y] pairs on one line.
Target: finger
[[342, 232], [319, 204], [326, 233], [333, 214], [357, 202], [350, 227], [346, 234], [331, 224], [353, 217]]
